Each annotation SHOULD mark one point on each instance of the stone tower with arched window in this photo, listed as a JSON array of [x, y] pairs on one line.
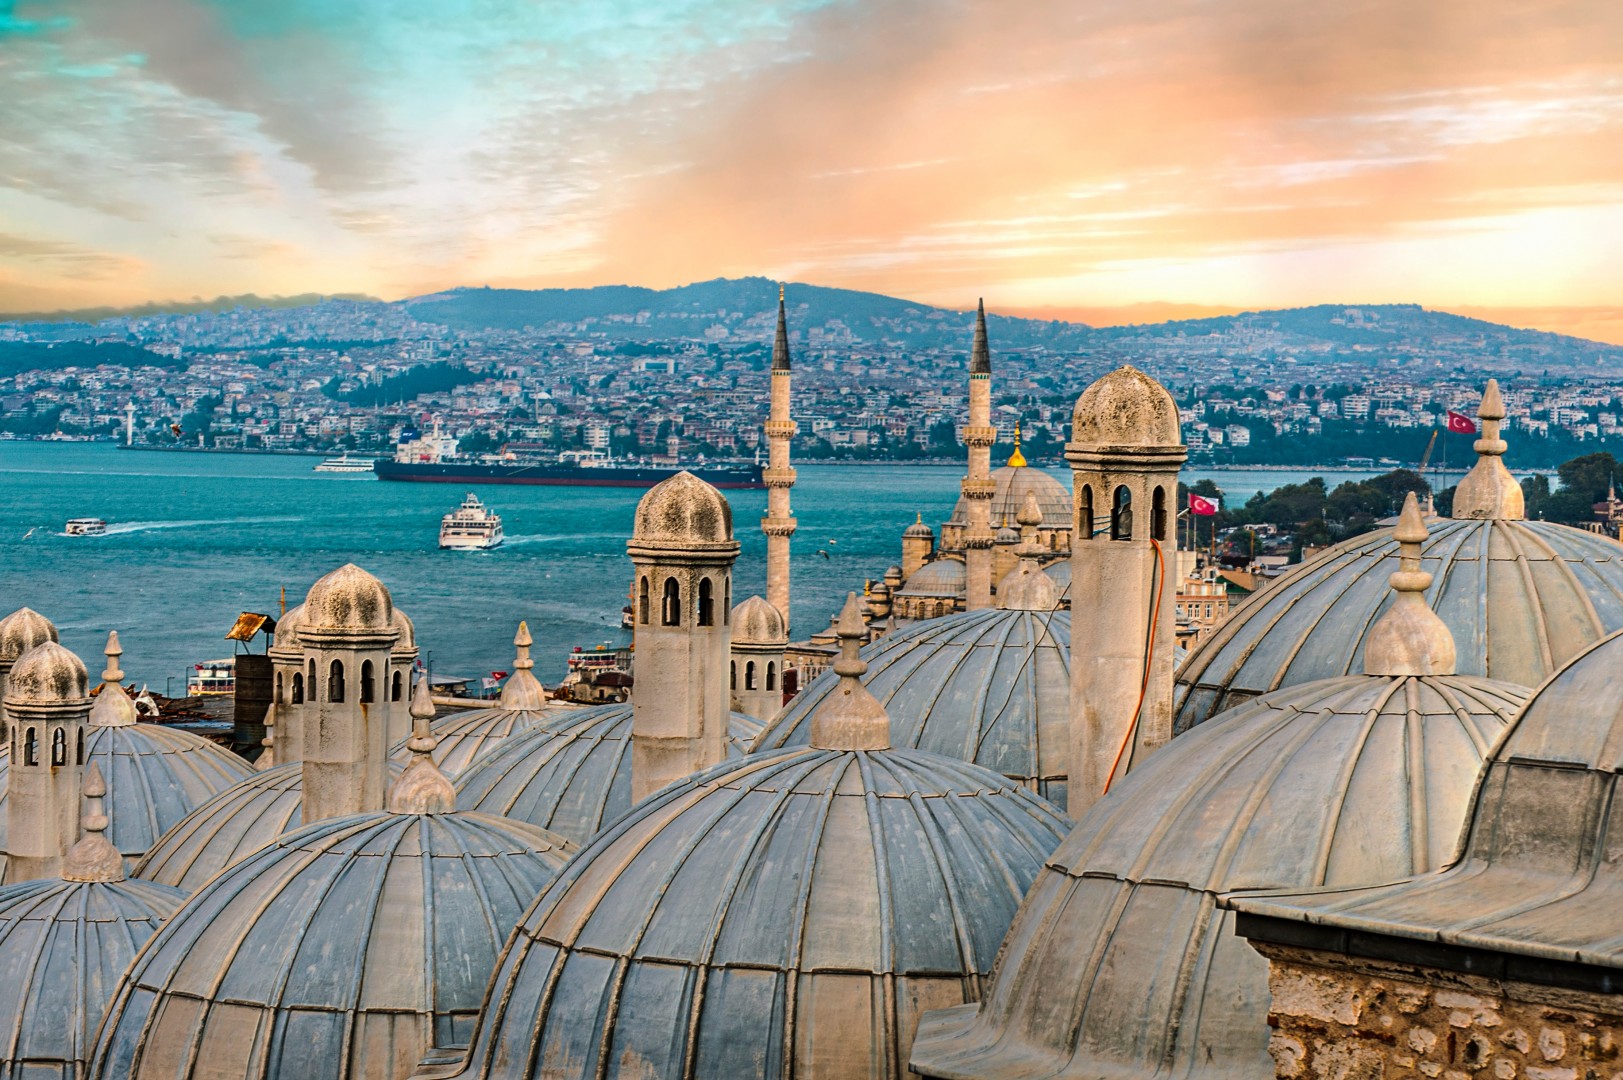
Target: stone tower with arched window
[[347, 632], [759, 638], [48, 701], [683, 550], [1125, 453], [288, 688]]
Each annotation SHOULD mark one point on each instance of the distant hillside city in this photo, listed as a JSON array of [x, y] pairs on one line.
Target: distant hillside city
[[633, 372]]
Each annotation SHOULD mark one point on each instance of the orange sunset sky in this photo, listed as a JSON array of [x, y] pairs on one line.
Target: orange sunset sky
[[1104, 161]]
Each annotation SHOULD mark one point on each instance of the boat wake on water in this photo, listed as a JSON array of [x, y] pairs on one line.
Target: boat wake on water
[[121, 527]]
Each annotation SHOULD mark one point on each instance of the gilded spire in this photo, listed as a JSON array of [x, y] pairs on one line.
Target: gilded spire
[[1488, 490], [93, 858], [850, 718], [1409, 639], [421, 788], [113, 707], [1017, 460], [522, 689], [267, 757], [780, 344], [980, 354]]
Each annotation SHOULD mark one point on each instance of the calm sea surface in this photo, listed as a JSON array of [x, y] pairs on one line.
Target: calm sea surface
[[195, 538]]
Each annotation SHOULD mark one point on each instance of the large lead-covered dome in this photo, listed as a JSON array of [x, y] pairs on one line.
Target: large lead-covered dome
[[1012, 483], [572, 773], [1118, 964], [992, 687], [786, 915], [1521, 597]]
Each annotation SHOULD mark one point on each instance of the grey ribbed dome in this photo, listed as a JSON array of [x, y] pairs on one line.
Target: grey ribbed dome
[[466, 737], [63, 947], [787, 915], [1013, 482], [573, 774], [992, 687], [1521, 597], [939, 577], [155, 777], [1118, 964], [345, 949], [237, 822]]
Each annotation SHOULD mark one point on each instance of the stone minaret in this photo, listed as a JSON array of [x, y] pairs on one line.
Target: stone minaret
[[348, 632], [19, 632], [978, 486], [683, 550], [1488, 490], [1125, 453], [779, 525], [759, 639], [48, 699]]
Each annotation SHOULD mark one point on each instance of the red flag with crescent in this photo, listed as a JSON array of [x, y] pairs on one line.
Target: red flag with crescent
[[1460, 424], [1200, 506]]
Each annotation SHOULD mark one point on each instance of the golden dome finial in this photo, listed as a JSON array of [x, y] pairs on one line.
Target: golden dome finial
[[1017, 460]]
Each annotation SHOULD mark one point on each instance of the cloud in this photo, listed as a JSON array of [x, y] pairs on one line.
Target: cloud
[[66, 260]]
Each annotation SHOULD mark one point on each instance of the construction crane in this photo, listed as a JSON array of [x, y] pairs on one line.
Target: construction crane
[[1425, 459]]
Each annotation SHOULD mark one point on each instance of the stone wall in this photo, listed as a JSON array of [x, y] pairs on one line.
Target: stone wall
[[1336, 1017]]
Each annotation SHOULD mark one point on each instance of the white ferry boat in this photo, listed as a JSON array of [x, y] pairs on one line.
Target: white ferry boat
[[346, 463], [212, 677], [86, 527], [470, 527]]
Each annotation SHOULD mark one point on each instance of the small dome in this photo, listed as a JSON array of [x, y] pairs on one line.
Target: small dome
[[572, 775], [287, 630], [1520, 597], [1126, 408], [348, 948], [939, 577], [408, 631], [757, 622], [1007, 535], [227, 828], [469, 736], [992, 687], [21, 631], [155, 776], [1012, 485], [918, 531], [64, 945], [1118, 963], [48, 674], [349, 598], [804, 906], [683, 509]]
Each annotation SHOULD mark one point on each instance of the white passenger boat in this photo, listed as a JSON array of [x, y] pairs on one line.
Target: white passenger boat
[[470, 527], [346, 463], [86, 527]]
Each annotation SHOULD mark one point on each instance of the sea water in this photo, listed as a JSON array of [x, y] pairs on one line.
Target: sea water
[[195, 538]]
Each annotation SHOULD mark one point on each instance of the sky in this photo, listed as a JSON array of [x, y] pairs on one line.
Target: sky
[[1120, 161]]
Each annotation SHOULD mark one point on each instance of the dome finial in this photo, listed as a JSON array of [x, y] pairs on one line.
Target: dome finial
[[1031, 514], [850, 718], [522, 689], [267, 759], [93, 858], [1017, 460], [1488, 490], [113, 707], [421, 788], [1409, 639]]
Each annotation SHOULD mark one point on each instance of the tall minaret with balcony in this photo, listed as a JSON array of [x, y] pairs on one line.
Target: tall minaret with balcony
[[779, 524], [978, 486]]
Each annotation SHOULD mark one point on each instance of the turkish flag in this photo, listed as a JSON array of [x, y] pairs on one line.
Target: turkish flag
[[1200, 506], [498, 674], [1460, 424]]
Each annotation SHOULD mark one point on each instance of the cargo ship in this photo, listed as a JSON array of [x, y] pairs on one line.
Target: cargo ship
[[432, 458]]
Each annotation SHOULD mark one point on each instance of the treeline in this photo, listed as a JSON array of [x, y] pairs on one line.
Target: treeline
[[17, 357], [1343, 439], [436, 378]]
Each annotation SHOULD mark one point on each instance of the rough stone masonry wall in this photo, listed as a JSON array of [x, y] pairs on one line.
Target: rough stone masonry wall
[[1340, 1018]]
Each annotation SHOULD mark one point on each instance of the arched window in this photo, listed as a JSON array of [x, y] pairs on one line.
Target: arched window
[[1085, 514], [367, 683], [749, 675], [310, 683], [670, 603], [31, 748], [1158, 514], [397, 688], [81, 746], [280, 700], [1121, 514], [771, 675], [734, 683], [59, 747], [298, 689], [642, 601], [335, 681], [707, 603], [727, 601]]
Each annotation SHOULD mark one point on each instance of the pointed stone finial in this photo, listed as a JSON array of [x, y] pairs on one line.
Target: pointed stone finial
[[980, 354], [267, 757], [1409, 639], [850, 718], [522, 689], [1017, 460], [421, 788], [113, 707], [1488, 490], [1031, 514], [780, 343], [93, 858]]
